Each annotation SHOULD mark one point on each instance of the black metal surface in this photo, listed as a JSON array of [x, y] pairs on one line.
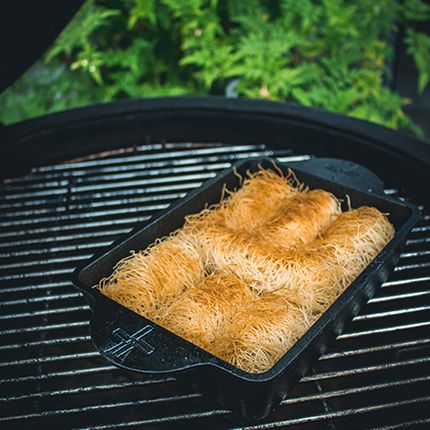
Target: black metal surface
[[135, 343], [376, 374], [66, 135]]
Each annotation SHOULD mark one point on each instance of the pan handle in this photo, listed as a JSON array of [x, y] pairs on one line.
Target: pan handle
[[131, 341], [343, 172]]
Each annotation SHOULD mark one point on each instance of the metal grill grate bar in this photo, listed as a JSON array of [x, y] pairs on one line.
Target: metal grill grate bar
[[64, 238], [102, 408], [44, 313], [100, 224], [47, 342], [159, 421], [334, 415], [384, 330], [164, 153], [379, 348], [64, 374], [402, 311], [401, 296], [48, 359], [363, 389], [57, 216], [91, 389], [367, 369], [44, 328]]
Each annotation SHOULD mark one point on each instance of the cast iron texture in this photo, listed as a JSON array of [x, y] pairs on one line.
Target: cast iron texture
[[135, 343]]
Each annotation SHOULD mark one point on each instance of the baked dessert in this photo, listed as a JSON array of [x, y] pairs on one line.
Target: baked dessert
[[246, 278]]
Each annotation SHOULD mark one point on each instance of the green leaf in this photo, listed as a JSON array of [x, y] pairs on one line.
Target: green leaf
[[88, 19], [142, 9], [423, 80], [301, 96], [419, 47], [416, 10], [331, 54]]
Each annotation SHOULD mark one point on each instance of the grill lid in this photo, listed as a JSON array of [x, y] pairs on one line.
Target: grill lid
[[27, 29]]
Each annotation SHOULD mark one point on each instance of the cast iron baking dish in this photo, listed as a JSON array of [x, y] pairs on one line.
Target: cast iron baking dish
[[131, 341]]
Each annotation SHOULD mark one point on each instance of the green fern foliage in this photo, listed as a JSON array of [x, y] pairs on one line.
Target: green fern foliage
[[331, 54]]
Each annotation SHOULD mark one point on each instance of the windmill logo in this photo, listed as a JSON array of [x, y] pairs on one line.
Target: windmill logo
[[127, 342]]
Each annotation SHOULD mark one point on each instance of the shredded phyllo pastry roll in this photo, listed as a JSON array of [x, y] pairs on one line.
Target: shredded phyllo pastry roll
[[246, 278]]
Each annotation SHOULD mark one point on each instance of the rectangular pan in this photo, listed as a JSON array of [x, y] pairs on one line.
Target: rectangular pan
[[131, 341]]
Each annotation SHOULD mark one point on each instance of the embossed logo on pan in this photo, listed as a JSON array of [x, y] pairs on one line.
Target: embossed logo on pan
[[347, 169], [127, 342]]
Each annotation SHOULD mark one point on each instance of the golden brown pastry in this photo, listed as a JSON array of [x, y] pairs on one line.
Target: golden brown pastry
[[245, 279]]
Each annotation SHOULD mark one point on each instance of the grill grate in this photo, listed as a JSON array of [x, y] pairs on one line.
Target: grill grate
[[376, 375]]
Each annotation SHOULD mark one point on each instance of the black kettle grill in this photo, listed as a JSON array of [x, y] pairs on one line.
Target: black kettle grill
[[77, 181]]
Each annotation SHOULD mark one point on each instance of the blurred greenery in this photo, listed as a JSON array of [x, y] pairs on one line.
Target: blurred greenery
[[332, 54]]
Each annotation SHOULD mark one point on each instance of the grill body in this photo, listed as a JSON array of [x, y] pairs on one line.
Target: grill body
[[136, 158]]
